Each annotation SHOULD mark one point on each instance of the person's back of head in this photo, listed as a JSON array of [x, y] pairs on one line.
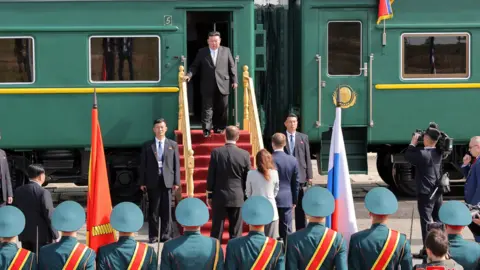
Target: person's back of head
[[278, 141], [264, 163], [36, 172], [436, 244], [232, 133]]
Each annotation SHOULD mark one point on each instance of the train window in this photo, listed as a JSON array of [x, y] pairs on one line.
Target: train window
[[344, 48], [124, 59], [436, 55], [16, 60]]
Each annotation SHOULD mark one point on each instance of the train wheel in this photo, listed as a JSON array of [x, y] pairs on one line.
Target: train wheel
[[404, 178], [385, 167]]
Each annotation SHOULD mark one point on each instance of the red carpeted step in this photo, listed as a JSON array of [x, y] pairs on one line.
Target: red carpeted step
[[197, 137], [200, 161], [206, 148], [199, 186], [198, 172]]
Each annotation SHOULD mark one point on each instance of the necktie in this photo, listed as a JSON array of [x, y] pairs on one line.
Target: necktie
[[292, 145], [214, 58], [160, 155]]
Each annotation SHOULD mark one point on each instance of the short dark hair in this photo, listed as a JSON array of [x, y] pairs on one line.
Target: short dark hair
[[291, 115], [232, 133], [35, 170], [437, 242], [214, 34], [159, 120], [279, 139]]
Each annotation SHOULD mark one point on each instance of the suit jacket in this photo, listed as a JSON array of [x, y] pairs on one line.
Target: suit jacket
[[149, 164], [119, 254], [36, 204], [6, 182], [302, 153], [288, 173], [472, 185], [426, 172], [227, 175], [55, 256], [222, 75]]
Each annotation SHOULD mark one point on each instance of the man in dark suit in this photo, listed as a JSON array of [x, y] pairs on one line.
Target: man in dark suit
[[288, 174], [298, 146], [226, 183], [218, 72], [159, 174], [6, 193], [36, 204]]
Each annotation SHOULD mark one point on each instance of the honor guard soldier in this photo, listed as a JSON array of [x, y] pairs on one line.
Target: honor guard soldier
[[255, 251], [126, 218], [316, 246], [68, 217], [379, 247], [12, 224], [192, 250], [455, 215]]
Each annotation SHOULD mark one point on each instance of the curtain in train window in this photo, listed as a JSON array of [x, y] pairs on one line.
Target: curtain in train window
[[16, 60]]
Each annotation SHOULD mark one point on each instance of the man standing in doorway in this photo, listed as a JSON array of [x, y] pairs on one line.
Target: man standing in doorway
[[298, 146], [159, 174], [218, 72]]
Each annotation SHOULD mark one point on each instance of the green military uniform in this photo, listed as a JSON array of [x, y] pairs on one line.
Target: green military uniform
[[10, 227], [126, 217], [301, 245], [243, 252], [69, 216], [448, 264], [366, 246], [192, 250], [465, 253]]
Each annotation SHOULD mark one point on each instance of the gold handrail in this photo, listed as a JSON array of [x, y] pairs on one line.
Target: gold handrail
[[184, 127], [251, 118]]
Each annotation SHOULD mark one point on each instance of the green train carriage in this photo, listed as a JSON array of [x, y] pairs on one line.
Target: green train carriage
[[53, 54]]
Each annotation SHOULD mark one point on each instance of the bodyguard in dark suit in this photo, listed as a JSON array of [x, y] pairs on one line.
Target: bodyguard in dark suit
[[287, 197], [68, 218], [12, 257], [427, 161], [218, 72], [302, 246], [299, 146], [6, 193], [36, 203], [192, 250], [159, 174], [226, 184], [126, 253]]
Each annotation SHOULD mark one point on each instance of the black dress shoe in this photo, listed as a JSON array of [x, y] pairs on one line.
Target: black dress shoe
[[206, 133], [153, 240], [218, 130]]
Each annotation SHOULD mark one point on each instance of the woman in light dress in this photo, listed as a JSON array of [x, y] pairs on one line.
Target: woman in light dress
[[264, 182]]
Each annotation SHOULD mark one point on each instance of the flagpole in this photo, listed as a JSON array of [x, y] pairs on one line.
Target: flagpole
[[384, 35], [338, 97]]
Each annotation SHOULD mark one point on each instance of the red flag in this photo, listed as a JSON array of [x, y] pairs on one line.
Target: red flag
[[384, 10], [99, 203]]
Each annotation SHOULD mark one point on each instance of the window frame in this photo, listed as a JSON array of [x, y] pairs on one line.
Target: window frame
[[123, 36], [449, 76], [360, 73], [34, 63]]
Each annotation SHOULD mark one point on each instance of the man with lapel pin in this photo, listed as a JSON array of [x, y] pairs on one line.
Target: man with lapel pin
[[299, 147], [159, 174], [218, 72]]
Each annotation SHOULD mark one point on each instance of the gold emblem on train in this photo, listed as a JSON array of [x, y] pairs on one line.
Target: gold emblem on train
[[348, 97]]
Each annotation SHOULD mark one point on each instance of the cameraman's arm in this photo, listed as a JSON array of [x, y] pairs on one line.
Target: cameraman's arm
[[413, 155]]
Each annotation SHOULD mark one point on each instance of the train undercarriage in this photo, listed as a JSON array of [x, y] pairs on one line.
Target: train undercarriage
[[72, 166]]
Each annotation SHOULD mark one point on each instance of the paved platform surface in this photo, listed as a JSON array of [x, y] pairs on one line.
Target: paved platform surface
[[361, 184]]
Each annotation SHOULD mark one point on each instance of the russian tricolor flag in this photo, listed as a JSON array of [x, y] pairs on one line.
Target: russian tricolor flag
[[384, 10], [343, 219]]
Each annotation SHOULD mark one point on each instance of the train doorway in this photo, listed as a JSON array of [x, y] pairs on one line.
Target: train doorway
[[199, 24]]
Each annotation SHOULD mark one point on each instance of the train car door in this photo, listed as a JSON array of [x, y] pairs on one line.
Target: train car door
[[344, 63]]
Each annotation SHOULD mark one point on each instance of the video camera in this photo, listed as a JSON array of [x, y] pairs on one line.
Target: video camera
[[474, 210], [444, 143]]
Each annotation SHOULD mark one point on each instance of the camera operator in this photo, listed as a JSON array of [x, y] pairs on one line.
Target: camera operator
[[427, 161], [472, 184]]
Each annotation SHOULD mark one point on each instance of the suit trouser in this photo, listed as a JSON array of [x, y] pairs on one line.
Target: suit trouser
[[428, 211], [285, 217], [271, 230], [218, 219], [159, 207], [300, 220], [32, 246], [214, 108]]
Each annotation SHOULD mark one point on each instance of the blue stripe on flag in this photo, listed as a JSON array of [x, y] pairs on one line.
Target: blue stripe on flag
[[332, 183]]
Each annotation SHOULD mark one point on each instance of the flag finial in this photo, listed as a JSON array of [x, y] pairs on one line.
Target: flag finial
[[95, 98]]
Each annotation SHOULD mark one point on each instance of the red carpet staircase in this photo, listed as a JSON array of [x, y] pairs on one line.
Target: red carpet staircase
[[202, 148]]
